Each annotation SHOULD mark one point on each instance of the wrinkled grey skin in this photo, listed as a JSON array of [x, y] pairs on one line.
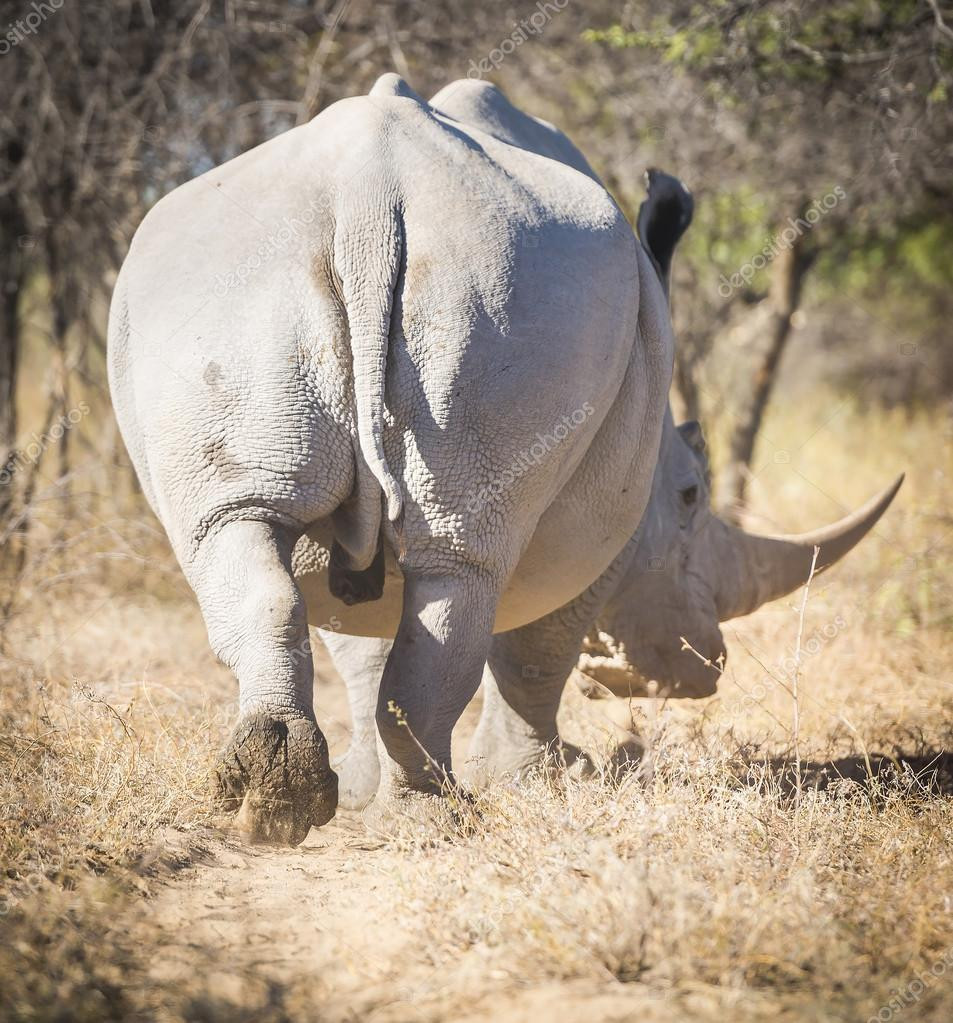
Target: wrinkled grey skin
[[681, 573], [319, 353]]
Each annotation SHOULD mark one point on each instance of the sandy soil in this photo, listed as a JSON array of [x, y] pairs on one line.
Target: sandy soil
[[326, 917]]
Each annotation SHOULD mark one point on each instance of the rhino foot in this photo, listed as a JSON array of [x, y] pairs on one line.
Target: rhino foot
[[627, 757], [567, 759], [276, 774], [358, 774], [424, 817], [575, 761], [520, 761]]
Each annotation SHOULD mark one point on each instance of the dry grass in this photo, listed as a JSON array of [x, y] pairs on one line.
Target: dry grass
[[712, 891]]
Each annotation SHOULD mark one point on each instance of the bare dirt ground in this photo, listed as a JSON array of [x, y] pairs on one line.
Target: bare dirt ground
[[324, 911], [324, 915]]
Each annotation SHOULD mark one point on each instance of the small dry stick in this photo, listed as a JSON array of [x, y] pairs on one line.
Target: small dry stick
[[448, 784], [650, 759], [438, 769], [797, 675]]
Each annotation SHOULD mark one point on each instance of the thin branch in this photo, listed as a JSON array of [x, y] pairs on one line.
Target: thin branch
[[797, 675], [941, 25]]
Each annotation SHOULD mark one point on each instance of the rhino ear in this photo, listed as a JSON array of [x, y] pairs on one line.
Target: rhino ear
[[691, 432], [694, 437]]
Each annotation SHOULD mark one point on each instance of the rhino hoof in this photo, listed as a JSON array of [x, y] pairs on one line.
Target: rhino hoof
[[277, 776], [628, 758], [423, 817], [358, 774]]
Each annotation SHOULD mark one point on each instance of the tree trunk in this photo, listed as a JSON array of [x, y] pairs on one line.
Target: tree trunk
[[64, 305], [781, 303], [12, 273], [686, 400]]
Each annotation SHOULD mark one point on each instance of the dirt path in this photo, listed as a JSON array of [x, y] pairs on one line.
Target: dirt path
[[319, 915], [314, 911], [327, 918]]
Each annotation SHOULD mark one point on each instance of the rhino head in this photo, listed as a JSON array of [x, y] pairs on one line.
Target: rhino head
[[689, 570], [686, 570]]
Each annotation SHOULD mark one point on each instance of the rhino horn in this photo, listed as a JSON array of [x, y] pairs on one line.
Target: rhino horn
[[755, 569]]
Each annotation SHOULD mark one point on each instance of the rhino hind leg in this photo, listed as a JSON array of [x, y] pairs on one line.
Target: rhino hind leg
[[274, 770], [354, 585], [268, 775], [431, 674], [359, 660]]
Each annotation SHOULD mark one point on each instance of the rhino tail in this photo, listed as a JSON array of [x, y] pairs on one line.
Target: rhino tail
[[368, 254]]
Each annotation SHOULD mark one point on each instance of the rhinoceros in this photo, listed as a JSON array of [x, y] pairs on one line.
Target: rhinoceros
[[394, 371], [681, 573]]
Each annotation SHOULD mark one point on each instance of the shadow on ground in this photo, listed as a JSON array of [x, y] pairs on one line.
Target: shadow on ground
[[927, 774]]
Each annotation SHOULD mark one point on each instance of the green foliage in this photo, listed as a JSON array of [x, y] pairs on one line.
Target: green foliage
[[773, 40], [729, 227], [817, 94], [901, 261], [927, 252]]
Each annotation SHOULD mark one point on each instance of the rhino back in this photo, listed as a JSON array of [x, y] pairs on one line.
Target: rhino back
[[483, 106], [515, 305]]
